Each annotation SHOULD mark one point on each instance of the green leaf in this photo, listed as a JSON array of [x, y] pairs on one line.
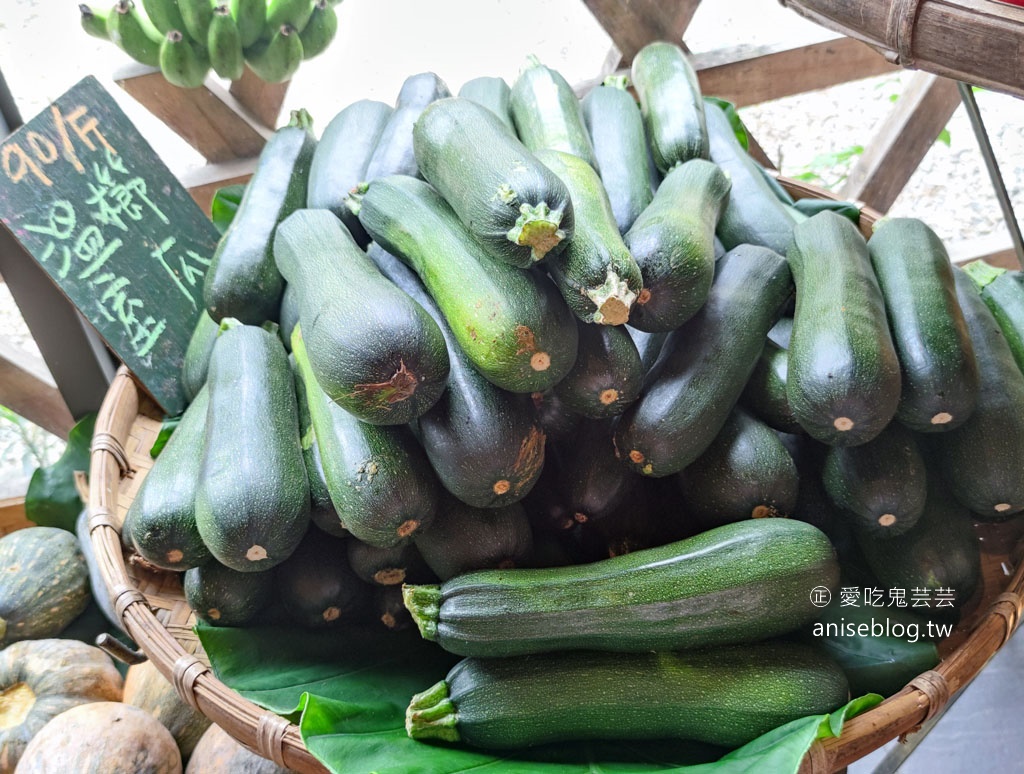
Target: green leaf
[[348, 690], [167, 428], [734, 120], [810, 207], [780, 193], [225, 205], [52, 499], [944, 137]]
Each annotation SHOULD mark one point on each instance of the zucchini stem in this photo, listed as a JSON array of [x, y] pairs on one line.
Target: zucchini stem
[[982, 273], [613, 299], [424, 603], [431, 715], [538, 227]]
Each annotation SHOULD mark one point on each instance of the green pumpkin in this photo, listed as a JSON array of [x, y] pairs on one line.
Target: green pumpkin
[[44, 583]]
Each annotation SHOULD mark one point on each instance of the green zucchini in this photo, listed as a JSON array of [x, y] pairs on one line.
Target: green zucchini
[[746, 473], [665, 598], [556, 419], [317, 587], [221, 596], [251, 522], [939, 375], [592, 482], [671, 104], [197, 355], [387, 607], [546, 504], [607, 375], [1003, 293], [595, 273], [620, 147], [753, 215], [374, 350], [288, 316], [515, 207], [726, 696], [765, 394], [981, 458], [243, 281], [673, 242], [493, 94], [387, 566], [843, 382], [379, 480], [484, 443], [161, 521], [463, 538], [648, 345], [704, 365], [546, 113], [511, 325], [341, 157], [883, 482]]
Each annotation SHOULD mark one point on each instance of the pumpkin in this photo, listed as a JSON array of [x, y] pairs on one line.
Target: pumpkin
[[39, 679], [103, 737], [147, 689], [218, 753], [44, 583]]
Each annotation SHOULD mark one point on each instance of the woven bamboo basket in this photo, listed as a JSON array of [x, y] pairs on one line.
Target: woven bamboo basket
[[155, 614], [977, 41]]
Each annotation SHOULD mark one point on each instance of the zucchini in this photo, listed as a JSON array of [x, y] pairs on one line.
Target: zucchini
[[673, 242], [484, 443], [251, 522], [243, 281], [671, 104], [981, 458], [753, 215], [705, 364], [648, 345], [546, 113], [387, 566], [317, 587], [881, 483], [556, 419], [374, 350], [387, 607], [592, 482], [464, 538], [607, 375], [595, 273], [288, 317], [939, 375], [161, 521], [727, 696], [620, 147], [514, 206], [493, 94], [843, 382], [379, 480], [746, 473], [1003, 293], [765, 394], [197, 355], [665, 598], [221, 596], [512, 326], [341, 158]]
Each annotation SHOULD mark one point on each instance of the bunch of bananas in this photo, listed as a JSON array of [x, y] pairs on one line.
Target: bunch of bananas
[[186, 38]]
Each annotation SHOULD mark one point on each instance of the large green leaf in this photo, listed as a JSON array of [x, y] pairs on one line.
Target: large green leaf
[[225, 205], [52, 499], [348, 691]]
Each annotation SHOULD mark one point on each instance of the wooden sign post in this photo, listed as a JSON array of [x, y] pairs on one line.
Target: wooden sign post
[[87, 197]]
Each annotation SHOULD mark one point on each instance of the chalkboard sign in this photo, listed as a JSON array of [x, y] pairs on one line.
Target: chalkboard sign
[[90, 200]]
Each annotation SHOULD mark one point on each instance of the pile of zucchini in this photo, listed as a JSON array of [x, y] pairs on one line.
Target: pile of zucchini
[[188, 38], [558, 371]]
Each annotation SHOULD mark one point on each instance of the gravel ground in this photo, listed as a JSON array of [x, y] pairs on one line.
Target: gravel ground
[[460, 39]]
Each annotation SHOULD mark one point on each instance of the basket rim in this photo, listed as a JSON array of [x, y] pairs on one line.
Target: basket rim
[[271, 736]]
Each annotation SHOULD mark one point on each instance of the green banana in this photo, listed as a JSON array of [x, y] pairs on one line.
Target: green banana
[[197, 15], [293, 12], [278, 60], [164, 14], [134, 34], [224, 45], [320, 31], [183, 63], [94, 21], [251, 18]]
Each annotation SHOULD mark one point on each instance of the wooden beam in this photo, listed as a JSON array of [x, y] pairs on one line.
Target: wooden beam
[[632, 24], [203, 182], [27, 388], [996, 249], [12, 515], [208, 118], [898, 147], [260, 98]]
